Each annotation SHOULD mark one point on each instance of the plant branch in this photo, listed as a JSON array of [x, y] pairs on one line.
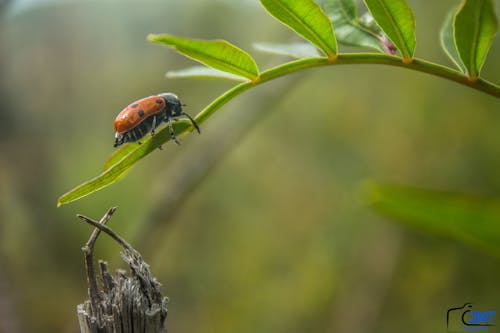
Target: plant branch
[[383, 59], [101, 227], [88, 251], [348, 59]]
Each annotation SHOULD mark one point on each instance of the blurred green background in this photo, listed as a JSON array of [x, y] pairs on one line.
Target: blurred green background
[[270, 233]]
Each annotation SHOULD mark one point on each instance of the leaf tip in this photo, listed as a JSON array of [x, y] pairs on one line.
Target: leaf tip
[[153, 38]]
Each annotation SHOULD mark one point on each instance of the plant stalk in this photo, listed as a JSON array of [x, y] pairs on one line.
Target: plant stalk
[[348, 59]]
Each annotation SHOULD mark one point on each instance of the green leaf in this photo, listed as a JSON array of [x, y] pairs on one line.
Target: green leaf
[[118, 154], [294, 50], [475, 25], [448, 41], [307, 19], [202, 72], [472, 220], [396, 19], [121, 161], [217, 54], [349, 30]]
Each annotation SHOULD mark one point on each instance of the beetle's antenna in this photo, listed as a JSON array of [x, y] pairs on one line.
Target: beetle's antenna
[[192, 121]]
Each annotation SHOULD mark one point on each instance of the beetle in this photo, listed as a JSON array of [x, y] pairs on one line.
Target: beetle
[[145, 115]]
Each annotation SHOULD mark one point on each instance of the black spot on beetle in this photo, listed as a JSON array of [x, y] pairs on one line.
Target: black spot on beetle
[[159, 101], [135, 105], [140, 113]]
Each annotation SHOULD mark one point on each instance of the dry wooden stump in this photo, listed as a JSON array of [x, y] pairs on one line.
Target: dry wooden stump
[[121, 303]]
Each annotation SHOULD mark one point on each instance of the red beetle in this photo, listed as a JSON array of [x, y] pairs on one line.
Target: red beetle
[[145, 115]]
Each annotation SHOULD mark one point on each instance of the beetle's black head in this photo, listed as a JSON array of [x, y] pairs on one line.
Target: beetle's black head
[[174, 106]]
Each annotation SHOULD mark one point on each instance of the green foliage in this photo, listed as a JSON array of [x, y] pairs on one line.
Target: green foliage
[[350, 29], [395, 17], [307, 19], [473, 28], [448, 40], [294, 50], [467, 34], [469, 219], [202, 72], [217, 54]]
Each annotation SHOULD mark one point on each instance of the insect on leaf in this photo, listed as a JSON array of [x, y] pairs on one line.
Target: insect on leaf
[[475, 25], [121, 161], [396, 19], [307, 19], [217, 54]]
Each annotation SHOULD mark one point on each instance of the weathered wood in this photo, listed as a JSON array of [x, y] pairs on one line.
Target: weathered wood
[[125, 303]]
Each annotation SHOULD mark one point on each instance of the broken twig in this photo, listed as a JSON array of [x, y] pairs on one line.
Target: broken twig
[[126, 304]]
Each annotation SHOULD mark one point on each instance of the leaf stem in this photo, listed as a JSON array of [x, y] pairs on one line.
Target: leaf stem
[[348, 59], [223, 99]]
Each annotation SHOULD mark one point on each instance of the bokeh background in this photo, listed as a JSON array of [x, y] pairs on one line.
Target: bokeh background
[[256, 225]]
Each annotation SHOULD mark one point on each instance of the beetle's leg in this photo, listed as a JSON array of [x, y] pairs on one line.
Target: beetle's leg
[[118, 139], [192, 121], [171, 130], [153, 127]]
